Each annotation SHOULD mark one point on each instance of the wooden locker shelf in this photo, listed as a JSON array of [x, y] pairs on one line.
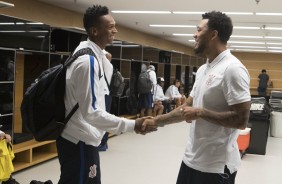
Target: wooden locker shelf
[[32, 152]]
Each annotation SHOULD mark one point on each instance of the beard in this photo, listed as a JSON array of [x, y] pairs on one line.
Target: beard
[[199, 51]]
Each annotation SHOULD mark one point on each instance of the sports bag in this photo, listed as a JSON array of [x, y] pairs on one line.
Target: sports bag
[[144, 84], [6, 157], [117, 84], [260, 109], [43, 108]]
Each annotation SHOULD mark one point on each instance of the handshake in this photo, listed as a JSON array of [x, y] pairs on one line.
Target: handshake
[[145, 125]]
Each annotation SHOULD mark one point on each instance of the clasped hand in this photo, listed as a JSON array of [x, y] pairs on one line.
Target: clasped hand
[[189, 113], [145, 125]]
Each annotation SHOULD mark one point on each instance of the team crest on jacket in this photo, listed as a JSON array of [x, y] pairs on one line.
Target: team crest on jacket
[[210, 80]]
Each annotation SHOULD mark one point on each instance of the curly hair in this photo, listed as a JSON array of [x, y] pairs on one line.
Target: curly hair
[[92, 15], [220, 22]]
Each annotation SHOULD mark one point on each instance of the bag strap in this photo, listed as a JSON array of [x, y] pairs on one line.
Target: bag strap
[[69, 61], [80, 52], [106, 81]]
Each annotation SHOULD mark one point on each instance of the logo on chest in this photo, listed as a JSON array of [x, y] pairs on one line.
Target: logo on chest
[[210, 80]]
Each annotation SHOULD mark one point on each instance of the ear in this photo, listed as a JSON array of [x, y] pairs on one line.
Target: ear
[[214, 34], [93, 31]]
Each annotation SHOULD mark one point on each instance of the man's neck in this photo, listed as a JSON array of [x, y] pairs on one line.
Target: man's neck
[[213, 54]]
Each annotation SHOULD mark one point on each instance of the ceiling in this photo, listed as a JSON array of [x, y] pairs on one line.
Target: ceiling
[[142, 22]]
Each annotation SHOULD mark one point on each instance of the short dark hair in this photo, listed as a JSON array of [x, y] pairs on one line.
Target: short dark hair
[[263, 70], [92, 15], [176, 81], [221, 22]]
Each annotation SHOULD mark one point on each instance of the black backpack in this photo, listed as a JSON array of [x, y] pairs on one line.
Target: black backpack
[[144, 84], [117, 84], [43, 108]]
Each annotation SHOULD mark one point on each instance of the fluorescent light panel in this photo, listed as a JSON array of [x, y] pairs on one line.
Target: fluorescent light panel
[[141, 12], [189, 13], [200, 13], [22, 31], [20, 23], [273, 43], [12, 31], [235, 27], [239, 13], [242, 36], [250, 50], [180, 34], [39, 31], [160, 25], [243, 27], [7, 23], [274, 47], [273, 37], [34, 23], [275, 51], [252, 47], [242, 42], [4, 4], [270, 14]]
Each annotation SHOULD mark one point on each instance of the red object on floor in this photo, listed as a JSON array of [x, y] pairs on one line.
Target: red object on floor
[[244, 139]]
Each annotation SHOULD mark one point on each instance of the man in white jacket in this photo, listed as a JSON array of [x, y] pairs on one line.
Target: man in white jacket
[[158, 97], [85, 84]]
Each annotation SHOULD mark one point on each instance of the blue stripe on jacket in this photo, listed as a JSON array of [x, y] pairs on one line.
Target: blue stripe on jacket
[[92, 81]]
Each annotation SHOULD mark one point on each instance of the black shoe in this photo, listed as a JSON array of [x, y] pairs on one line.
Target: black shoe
[[48, 182], [40, 182], [10, 181]]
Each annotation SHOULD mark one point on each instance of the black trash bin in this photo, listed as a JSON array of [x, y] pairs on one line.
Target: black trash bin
[[259, 135], [259, 123]]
